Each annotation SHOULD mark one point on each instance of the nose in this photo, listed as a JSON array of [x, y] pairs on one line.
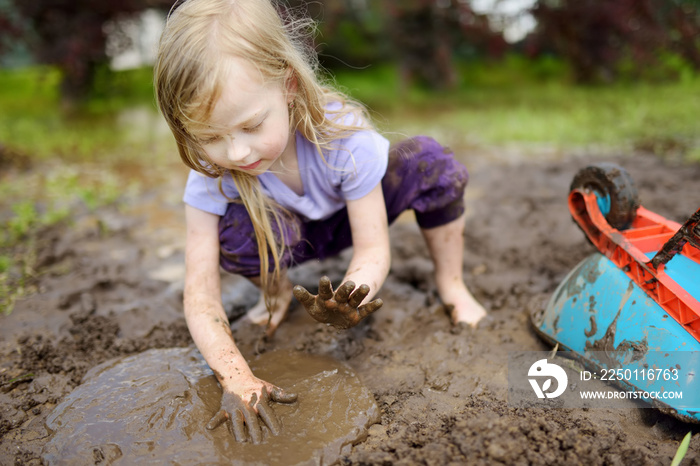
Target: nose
[[237, 149]]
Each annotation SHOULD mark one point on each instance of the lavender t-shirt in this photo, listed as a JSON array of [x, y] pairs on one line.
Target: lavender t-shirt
[[353, 168]]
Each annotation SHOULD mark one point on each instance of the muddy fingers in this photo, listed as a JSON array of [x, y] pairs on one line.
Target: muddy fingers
[[339, 308], [237, 427], [325, 290], [245, 416], [219, 418], [267, 415], [342, 294], [370, 307], [280, 396]]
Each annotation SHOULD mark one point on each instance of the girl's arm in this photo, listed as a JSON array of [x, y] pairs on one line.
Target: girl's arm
[[243, 392], [368, 267], [371, 257]]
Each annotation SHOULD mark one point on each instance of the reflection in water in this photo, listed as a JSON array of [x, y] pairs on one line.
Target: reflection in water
[[155, 405]]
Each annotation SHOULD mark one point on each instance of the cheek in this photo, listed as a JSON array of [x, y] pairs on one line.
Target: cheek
[[277, 143], [216, 153], [212, 153]]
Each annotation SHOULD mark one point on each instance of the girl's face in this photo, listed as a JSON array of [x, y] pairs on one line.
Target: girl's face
[[249, 127]]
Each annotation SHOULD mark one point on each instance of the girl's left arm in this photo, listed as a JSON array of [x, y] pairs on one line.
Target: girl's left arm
[[366, 273], [371, 257]]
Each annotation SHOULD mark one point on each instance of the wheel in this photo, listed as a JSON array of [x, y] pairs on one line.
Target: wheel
[[617, 195]]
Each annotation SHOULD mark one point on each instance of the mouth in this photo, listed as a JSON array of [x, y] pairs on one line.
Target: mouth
[[252, 166]]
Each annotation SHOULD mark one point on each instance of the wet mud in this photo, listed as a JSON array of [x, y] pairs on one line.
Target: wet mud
[[144, 408], [441, 391]]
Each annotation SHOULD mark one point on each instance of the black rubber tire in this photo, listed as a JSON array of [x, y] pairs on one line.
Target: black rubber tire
[[613, 180]]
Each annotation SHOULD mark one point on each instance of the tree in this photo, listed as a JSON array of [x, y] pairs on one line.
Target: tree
[[70, 34], [421, 36], [597, 36]]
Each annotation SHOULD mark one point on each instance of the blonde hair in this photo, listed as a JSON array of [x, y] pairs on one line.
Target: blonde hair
[[188, 78]]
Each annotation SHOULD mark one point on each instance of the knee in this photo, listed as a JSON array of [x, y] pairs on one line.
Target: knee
[[420, 151], [418, 146], [426, 158]]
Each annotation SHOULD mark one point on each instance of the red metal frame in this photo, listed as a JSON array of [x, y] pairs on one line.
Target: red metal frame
[[648, 232]]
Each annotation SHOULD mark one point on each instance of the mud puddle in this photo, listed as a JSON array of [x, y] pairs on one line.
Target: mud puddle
[[144, 408]]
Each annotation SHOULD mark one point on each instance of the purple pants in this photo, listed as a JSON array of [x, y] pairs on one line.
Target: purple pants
[[422, 175]]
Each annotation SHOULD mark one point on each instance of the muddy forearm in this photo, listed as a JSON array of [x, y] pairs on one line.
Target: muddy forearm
[[211, 333], [204, 312]]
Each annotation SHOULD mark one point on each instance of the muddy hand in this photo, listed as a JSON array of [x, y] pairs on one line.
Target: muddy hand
[[340, 308], [244, 414]]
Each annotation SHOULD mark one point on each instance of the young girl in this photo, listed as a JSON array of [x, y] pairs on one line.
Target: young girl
[[284, 170]]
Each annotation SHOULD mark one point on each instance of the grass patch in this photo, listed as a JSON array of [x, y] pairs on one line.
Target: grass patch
[[32, 203], [119, 120], [514, 101], [504, 106], [59, 162]]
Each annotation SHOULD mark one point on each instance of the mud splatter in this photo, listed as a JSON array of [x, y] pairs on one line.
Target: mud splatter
[[593, 330]]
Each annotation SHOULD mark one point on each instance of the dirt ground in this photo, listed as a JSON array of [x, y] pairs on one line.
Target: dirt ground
[[111, 285]]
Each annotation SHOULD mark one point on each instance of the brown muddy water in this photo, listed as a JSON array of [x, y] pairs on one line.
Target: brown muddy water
[[146, 407], [441, 392]]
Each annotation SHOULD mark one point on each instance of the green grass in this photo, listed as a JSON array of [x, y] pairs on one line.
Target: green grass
[[508, 103], [682, 450], [34, 119], [80, 158], [513, 107], [34, 201]]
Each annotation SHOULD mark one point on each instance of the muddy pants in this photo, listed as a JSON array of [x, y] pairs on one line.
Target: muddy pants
[[421, 175]]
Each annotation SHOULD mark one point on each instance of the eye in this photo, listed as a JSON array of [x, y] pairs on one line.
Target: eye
[[252, 129], [208, 140]]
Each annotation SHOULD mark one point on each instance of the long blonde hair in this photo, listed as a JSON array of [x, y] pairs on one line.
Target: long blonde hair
[[188, 78]]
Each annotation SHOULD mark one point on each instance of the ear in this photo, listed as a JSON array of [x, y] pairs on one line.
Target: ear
[[291, 84]]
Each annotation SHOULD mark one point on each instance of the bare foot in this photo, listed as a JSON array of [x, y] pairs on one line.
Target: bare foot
[[259, 314], [462, 306]]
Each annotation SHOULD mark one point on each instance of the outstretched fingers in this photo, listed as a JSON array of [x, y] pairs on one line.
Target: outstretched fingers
[[245, 416], [325, 290], [219, 418], [237, 427], [280, 396], [341, 308], [343, 292], [356, 298], [267, 414], [369, 308], [303, 296]]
